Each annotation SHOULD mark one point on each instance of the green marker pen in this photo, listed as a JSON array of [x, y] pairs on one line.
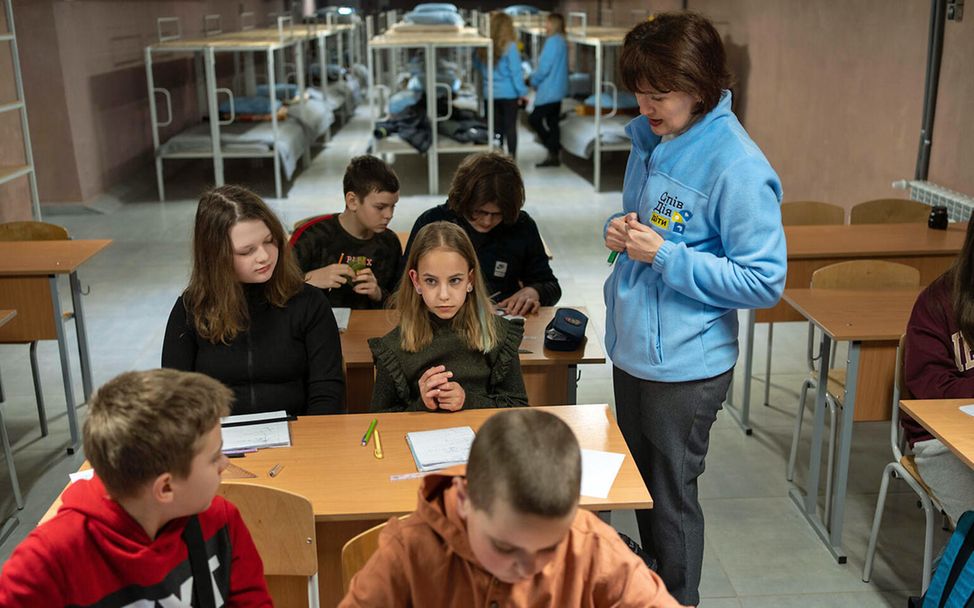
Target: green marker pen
[[612, 257]]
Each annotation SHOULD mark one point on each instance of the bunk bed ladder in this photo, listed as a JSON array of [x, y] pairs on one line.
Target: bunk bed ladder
[[11, 172]]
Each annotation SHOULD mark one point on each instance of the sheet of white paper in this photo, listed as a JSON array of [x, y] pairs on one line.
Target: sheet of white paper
[[341, 317], [86, 474], [254, 433], [967, 409], [441, 448], [599, 470]]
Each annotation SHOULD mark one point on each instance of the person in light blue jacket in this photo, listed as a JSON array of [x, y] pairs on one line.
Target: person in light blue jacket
[[550, 79], [509, 87], [699, 237]]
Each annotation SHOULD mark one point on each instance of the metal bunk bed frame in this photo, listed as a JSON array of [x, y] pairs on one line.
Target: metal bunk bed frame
[[248, 41], [429, 42], [600, 38]]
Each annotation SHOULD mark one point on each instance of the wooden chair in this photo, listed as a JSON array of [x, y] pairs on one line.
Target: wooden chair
[[904, 467], [811, 213], [31, 293], [800, 213], [358, 550], [889, 211], [282, 525], [856, 274]]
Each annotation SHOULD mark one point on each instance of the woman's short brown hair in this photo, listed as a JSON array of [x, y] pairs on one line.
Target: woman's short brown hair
[[679, 51], [143, 424], [487, 177]]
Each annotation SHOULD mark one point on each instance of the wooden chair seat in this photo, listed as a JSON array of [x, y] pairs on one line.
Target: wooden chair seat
[[909, 463]]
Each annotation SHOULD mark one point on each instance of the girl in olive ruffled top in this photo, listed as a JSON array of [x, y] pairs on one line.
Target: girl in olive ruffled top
[[450, 351]]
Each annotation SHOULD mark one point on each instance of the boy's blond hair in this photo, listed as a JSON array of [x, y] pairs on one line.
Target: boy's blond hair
[[528, 458], [143, 424]]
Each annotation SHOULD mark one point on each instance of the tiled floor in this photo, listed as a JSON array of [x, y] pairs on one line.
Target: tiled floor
[[759, 551]]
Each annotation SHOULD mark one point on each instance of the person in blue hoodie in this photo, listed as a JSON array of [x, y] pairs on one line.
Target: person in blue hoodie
[[509, 86], [550, 80], [699, 237]]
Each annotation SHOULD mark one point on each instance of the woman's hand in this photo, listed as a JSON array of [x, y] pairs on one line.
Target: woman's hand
[[431, 385], [329, 277], [618, 233], [452, 397], [366, 283], [525, 301], [642, 242]]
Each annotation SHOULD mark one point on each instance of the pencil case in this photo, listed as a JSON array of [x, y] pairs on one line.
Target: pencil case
[[566, 331]]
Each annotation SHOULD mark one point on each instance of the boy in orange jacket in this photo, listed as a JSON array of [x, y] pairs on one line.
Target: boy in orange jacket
[[509, 533]]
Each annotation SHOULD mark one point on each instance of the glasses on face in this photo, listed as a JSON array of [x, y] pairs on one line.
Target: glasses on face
[[480, 214]]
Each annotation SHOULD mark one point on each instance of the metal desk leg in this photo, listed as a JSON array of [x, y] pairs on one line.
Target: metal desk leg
[[808, 502], [845, 448], [742, 416], [572, 393], [62, 343], [79, 324]]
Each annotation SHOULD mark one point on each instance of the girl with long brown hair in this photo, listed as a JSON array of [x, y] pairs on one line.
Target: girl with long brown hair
[[248, 319], [938, 363], [510, 91], [450, 351]]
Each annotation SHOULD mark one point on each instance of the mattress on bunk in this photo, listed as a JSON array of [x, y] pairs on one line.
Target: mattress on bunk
[[578, 134], [245, 138], [315, 115]]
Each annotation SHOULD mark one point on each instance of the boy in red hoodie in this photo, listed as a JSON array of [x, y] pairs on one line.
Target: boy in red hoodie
[[510, 533], [122, 538]]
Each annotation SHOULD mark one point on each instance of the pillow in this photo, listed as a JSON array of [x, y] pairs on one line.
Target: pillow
[[285, 92], [624, 101], [432, 7]]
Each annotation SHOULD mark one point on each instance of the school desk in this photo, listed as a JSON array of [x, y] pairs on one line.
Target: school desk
[[29, 273], [550, 377], [812, 247], [351, 490], [872, 323], [945, 421]]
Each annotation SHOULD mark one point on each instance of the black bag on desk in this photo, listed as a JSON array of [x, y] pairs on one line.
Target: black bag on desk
[[566, 331]]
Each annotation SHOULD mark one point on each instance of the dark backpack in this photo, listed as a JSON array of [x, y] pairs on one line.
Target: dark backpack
[[952, 585]]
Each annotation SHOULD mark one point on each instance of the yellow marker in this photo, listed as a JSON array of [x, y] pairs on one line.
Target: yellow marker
[[378, 445]]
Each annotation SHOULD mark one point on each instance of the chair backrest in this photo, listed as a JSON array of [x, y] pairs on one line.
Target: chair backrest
[[866, 274], [358, 550], [811, 213], [301, 225], [282, 525], [899, 392], [32, 231], [889, 211]]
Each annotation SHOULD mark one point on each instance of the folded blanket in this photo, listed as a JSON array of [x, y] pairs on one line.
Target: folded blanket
[[250, 105]]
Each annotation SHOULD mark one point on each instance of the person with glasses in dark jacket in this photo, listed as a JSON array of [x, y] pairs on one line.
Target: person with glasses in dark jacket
[[486, 200]]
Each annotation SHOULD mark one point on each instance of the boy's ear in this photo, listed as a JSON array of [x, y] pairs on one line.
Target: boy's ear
[[464, 508], [414, 277], [352, 201], [162, 490]]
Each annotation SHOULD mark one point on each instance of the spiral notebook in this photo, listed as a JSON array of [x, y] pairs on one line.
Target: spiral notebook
[[440, 449]]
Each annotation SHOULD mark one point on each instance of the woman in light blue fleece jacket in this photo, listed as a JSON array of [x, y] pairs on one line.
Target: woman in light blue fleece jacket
[[550, 79], [699, 237], [509, 87]]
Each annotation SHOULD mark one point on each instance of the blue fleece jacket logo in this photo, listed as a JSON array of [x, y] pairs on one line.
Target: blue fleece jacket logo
[[670, 214]]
